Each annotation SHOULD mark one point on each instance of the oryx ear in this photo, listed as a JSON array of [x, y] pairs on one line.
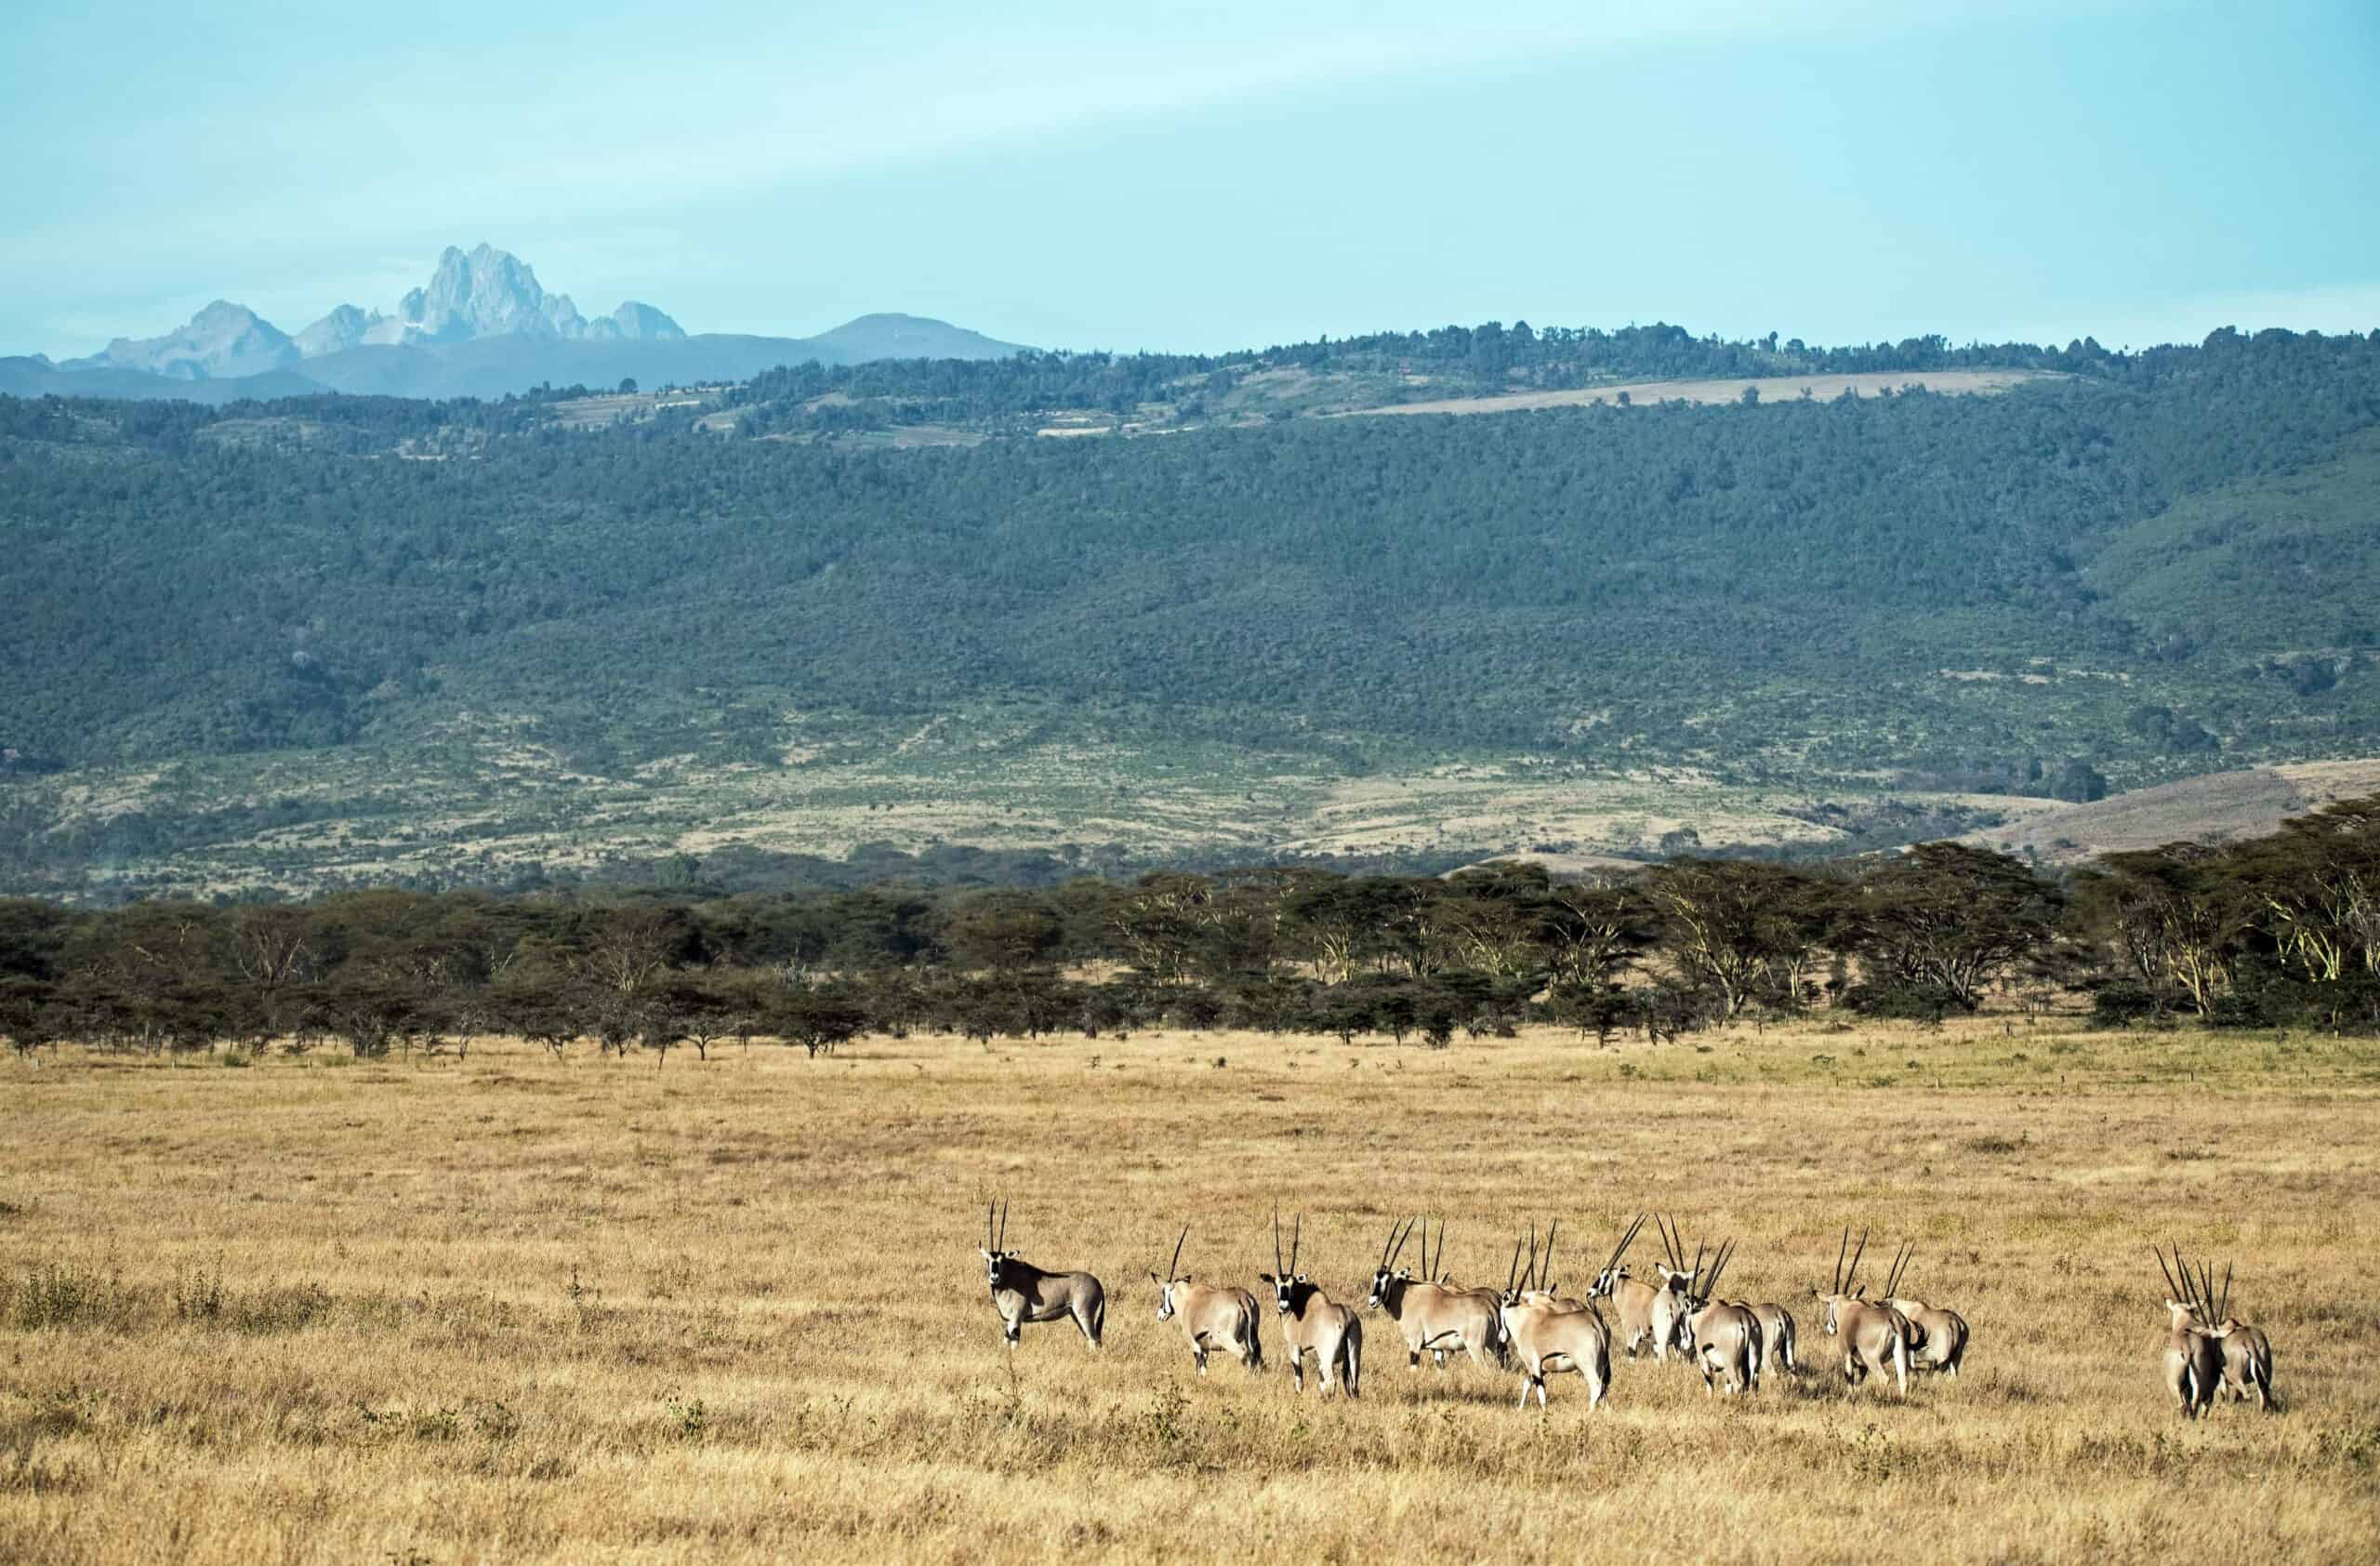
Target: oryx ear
[[1155, 1279], [1301, 1277], [981, 1251], [1267, 1278], [1860, 1293]]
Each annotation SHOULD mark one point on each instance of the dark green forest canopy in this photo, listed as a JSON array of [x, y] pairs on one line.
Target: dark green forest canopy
[[1690, 576]]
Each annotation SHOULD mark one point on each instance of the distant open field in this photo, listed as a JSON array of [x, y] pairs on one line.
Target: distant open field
[[1771, 388], [527, 1309]]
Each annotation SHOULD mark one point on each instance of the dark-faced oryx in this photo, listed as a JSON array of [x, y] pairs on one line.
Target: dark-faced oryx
[[1022, 1292], [2247, 1353], [1550, 1334], [1210, 1316], [1312, 1323], [1723, 1335], [1875, 1338], [2193, 1357], [1940, 1341], [1433, 1318]]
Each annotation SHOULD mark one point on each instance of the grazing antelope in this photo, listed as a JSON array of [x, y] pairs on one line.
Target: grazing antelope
[[2247, 1353], [1211, 1317], [1941, 1336], [1646, 1312], [1723, 1335], [1875, 1338], [1433, 1318], [1311, 1323], [1551, 1334], [2193, 1360], [1022, 1292]]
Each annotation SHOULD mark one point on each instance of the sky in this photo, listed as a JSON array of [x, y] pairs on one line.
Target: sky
[[1209, 177]]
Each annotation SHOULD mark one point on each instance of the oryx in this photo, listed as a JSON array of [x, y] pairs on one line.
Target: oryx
[[1875, 1338], [1776, 1332], [1941, 1340], [1311, 1323], [2247, 1353], [1022, 1292], [2193, 1358], [1723, 1335], [1433, 1318], [1551, 1334], [1647, 1311], [1210, 1316]]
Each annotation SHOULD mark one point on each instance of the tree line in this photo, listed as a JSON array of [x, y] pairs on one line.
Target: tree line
[[2282, 929]]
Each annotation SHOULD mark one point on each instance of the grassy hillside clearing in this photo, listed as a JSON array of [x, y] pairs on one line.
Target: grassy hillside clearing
[[1767, 388]]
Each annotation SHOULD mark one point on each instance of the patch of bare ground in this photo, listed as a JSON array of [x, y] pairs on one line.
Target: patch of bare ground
[[2219, 807]]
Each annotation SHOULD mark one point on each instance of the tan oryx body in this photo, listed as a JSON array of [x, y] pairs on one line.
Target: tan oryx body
[[1776, 1332], [1022, 1292], [1550, 1334], [1312, 1323], [1433, 1318], [1647, 1311], [1941, 1336], [1875, 1338], [1723, 1335], [2247, 1353], [1209, 1315]]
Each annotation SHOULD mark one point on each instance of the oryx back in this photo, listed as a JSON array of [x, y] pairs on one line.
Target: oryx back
[[1728, 1347], [1776, 1332]]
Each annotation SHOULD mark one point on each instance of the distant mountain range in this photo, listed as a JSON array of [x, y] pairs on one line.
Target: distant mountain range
[[482, 327]]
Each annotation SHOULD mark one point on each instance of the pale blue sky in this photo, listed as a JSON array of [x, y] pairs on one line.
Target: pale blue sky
[[1208, 176]]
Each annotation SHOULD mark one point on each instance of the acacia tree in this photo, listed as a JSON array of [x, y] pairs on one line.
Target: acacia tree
[[1953, 919], [2174, 914], [823, 1018], [1740, 928]]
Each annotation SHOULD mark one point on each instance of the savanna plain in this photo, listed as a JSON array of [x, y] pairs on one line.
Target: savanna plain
[[525, 1309]]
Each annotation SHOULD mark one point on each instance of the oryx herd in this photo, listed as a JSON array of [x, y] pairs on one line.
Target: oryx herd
[[1529, 1325]]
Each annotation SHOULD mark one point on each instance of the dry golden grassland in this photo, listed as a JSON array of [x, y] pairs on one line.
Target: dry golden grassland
[[516, 1309]]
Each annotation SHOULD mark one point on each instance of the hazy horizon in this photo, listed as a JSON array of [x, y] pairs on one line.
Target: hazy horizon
[[1836, 172]]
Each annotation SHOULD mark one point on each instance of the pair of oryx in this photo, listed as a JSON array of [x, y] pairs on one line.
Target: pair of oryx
[[2207, 1350], [1893, 1334]]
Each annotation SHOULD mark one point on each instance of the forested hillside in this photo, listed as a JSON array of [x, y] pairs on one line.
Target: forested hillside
[[2145, 565]]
